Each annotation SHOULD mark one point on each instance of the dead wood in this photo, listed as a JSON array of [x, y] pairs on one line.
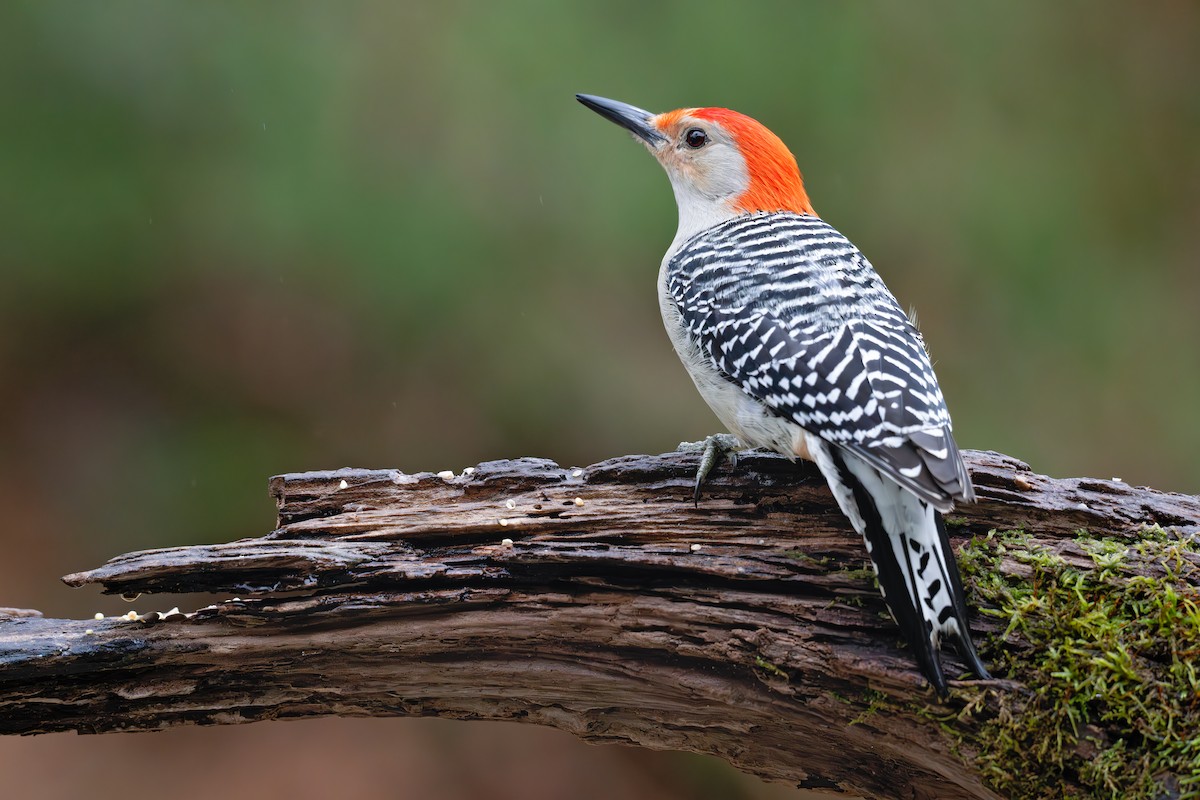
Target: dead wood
[[599, 601]]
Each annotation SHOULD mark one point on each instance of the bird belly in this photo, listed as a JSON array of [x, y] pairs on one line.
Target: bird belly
[[743, 415]]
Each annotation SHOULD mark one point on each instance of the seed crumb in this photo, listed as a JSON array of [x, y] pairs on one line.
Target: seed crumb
[[88, 632], [469, 471], [510, 503], [343, 485], [696, 548], [97, 615], [445, 475], [578, 501], [576, 473], [503, 521], [506, 542]]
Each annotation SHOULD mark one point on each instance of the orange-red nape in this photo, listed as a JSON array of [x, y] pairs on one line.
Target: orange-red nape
[[775, 182]]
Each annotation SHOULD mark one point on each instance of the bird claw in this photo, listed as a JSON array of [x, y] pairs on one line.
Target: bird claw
[[711, 450]]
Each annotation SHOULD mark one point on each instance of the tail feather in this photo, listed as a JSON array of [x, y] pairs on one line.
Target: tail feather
[[908, 546], [966, 648]]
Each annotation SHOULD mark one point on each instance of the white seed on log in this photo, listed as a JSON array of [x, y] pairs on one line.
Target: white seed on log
[[343, 485]]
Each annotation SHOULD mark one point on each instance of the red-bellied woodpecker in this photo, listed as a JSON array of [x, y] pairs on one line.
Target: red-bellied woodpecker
[[797, 346]]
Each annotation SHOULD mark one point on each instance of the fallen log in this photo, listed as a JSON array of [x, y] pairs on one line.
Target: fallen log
[[603, 602]]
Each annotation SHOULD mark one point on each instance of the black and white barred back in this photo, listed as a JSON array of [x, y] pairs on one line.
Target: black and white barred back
[[791, 312]]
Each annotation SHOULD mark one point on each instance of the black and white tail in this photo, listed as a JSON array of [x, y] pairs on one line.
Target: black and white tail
[[907, 543]]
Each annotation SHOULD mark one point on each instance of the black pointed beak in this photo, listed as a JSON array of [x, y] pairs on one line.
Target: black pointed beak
[[629, 117]]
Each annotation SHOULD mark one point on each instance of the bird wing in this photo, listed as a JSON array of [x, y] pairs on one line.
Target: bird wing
[[789, 310]]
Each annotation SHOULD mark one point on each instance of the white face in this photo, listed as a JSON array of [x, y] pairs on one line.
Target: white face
[[706, 169], [705, 152]]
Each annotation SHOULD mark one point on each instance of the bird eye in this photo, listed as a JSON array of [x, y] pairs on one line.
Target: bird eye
[[695, 138]]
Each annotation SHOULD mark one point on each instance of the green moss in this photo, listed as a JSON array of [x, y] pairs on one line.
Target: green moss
[[1108, 656], [767, 666], [875, 701], [859, 574], [805, 558]]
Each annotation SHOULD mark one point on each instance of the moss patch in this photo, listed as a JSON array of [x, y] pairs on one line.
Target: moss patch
[[768, 667], [876, 700], [1105, 634]]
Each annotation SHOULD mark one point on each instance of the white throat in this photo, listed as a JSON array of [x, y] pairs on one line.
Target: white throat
[[706, 187], [697, 211]]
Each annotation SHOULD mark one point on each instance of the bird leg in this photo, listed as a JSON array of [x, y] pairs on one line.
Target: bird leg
[[711, 450]]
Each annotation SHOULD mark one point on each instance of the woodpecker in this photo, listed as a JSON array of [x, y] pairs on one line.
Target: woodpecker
[[797, 345]]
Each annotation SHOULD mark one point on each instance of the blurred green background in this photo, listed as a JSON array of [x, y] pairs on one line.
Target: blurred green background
[[248, 238]]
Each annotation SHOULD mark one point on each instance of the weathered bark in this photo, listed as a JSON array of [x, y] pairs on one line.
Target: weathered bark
[[599, 601]]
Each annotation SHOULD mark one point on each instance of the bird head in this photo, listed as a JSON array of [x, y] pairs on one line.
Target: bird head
[[721, 163]]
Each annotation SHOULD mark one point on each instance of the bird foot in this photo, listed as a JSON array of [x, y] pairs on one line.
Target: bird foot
[[711, 450]]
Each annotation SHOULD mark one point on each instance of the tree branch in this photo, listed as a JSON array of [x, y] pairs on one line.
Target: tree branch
[[598, 601]]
